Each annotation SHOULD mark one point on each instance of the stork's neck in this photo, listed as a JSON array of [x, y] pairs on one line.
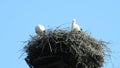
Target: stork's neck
[[73, 22]]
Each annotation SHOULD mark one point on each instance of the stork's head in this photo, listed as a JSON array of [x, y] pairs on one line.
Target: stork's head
[[42, 28], [73, 21]]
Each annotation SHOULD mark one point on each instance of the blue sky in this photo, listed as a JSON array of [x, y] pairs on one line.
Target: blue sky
[[19, 17]]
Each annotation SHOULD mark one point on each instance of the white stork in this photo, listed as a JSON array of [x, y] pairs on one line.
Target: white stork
[[75, 27], [40, 30]]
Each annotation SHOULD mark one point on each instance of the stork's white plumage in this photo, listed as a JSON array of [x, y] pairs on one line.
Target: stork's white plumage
[[40, 30], [75, 27]]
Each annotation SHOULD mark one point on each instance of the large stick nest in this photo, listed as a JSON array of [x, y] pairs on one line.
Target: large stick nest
[[62, 48]]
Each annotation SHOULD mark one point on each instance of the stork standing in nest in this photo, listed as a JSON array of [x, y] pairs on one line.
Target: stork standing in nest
[[40, 30], [75, 27]]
